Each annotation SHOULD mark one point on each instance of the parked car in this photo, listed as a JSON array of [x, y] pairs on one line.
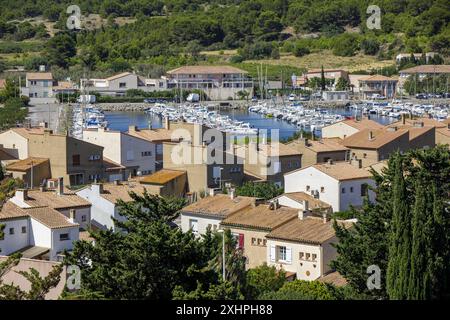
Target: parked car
[[421, 96], [292, 97]]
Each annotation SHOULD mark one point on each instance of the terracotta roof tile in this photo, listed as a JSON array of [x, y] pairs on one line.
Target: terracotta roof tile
[[113, 192], [334, 278], [162, 176], [49, 217], [37, 198], [26, 164], [380, 138], [153, 135], [309, 230], [261, 218], [206, 70], [302, 196], [11, 211], [343, 170], [220, 205], [323, 145], [118, 76], [363, 124], [26, 132], [39, 76]]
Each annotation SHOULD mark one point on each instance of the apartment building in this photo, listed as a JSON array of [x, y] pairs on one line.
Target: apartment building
[[269, 161], [251, 228], [38, 85], [423, 71], [77, 161], [135, 154], [116, 85], [377, 85], [346, 128], [441, 127], [372, 146], [212, 210], [217, 82], [320, 151], [303, 246], [339, 184]]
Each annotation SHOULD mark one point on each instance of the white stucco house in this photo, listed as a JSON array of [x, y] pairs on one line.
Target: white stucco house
[[37, 232], [303, 246], [210, 211], [339, 184], [104, 196], [137, 155]]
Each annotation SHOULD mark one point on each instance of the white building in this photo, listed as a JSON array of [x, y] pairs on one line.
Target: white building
[[210, 211], [136, 154], [340, 184], [104, 197], [303, 246], [346, 128], [66, 203], [15, 141], [37, 232]]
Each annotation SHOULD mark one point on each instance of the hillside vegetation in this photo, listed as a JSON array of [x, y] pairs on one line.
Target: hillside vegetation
[[147, 34]]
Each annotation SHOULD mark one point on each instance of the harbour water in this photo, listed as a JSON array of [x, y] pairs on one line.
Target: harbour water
[[120, 121]]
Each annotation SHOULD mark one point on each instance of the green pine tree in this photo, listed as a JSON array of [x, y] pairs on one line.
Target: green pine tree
[[323, 83]]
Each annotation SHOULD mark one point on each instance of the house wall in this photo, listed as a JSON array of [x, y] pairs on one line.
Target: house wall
[[102, 210], [305, 269], [58, 246], [426, 140], [442, 138], [288, 202], [354, 198], [176, 187], [41, 235], [40, 172], [14, 144], [17, 241], [315, 179], [203, 222], [131, 82], [79, 213], [42, 89], [339, 130], [255, 254], [368, 156]]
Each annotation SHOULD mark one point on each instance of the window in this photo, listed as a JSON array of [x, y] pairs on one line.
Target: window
[[308, 188], [64, 237], [146, 153], [122, 84], [301, 255], [322, 189], [83, 218], [364, 155], [11, 231], [193, 225], [253, 241], [130, 155], [314, 257], [363, 189], [351, 189], [307, 256], [94, 157], [76, 159], [259, 242], [282, 253], [343, 190], [264, 242], [24, 229]]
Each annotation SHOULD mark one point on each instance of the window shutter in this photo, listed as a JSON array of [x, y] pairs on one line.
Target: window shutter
[[241, 241], [288, 255], [272, 253]]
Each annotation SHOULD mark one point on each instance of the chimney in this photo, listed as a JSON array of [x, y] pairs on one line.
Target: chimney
[[72, 215], [60, 188], [97, 188], [370, 135], [232, 194], [306, 205], [167, 123], [356, 162], [22, 194], [302, 214], [418, 124], [324, 217], [132, 128]]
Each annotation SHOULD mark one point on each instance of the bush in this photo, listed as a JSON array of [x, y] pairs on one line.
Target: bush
[[345, 46], [300, 50], [370, 46]]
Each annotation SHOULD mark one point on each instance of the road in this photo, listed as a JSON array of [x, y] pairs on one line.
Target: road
[[45, 113]]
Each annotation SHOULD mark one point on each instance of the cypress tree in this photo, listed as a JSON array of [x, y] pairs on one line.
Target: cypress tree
[[322, 79], [399, 242], [419, 277]]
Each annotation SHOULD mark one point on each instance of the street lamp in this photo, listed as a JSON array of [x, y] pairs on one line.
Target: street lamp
[[223, 252]]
